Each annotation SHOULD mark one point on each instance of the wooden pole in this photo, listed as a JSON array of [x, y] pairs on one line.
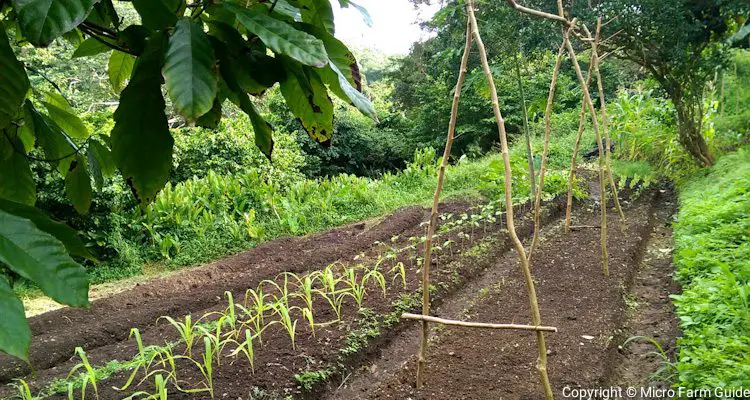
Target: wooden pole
[[602, 159], [545, 153], [526, 269], [605, 122], [435, 204], [576, 150], [465, 324], [526, 133]]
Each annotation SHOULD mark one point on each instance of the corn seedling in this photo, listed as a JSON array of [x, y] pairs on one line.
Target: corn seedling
[[258, 308], [214, 334], [285, 319], [378, 277], [246, 347], [88, 377], [207, 368], [668, 370], [356, 289], [231, 312], [160, 389], [306, 289], [186, 330], [399, 271], [24, 392], [308, 315]]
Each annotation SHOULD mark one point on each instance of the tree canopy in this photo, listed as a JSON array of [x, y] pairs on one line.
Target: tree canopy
[[191, 55]]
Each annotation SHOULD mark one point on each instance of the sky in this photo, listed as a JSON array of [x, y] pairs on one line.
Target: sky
[[395, 25]]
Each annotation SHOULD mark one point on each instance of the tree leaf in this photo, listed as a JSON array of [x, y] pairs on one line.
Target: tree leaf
[[67, 120], [211, 119], [14, 84], [42, 21], [318, 13], [119, 68], [155, 14], [190, 72], [68, 236], [365, 14], [340, 87], [307, 98], [15, 334], [42, 259], [103, 158], [141, 142], [281, 37], [90, 47], [16, 182], [78, 185], [58, 149], [339, 54]]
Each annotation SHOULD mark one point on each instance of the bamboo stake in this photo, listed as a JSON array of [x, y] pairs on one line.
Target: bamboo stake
[[605, 123], [466, 324], [545, 153], [597, 132], [574, 157], [435, 204], [536, 316], [527, 135]]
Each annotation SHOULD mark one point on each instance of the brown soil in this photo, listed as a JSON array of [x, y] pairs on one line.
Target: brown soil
[[477, 279], [588, 309]]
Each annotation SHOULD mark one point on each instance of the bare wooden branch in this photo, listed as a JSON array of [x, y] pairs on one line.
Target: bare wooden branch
[[545, 152], [525, 266], [605, 123], [537, 13], [435, 204], [595, 122], [480, 325]]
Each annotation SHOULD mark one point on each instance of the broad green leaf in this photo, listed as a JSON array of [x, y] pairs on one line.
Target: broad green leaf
[[42, 21], [262, 129], [42, 259], [16, 182], [58, 149], [95, 170], [281, 37], [141, 142], [341, 87], [211, 119], [103, 158], [15, 334], [318, 13], [307, 98], [68, 121], [78, 185], [119, 68], [14, 84], [68, 236], [90, 47], [365, 14], [284, 8], [190, 71], [339, 55], [155, 14]]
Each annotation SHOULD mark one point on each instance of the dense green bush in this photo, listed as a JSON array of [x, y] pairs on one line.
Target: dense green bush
[[712, 256]]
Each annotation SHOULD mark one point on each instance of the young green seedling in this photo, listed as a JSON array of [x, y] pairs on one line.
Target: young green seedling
[[185, 329], [399, 271], [246, 347], [87, 378], [24, 392]]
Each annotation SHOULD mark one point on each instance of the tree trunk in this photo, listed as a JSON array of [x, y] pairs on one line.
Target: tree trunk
[[689, 133]]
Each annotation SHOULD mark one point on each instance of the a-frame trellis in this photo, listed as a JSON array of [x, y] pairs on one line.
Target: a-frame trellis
[[473, 34]]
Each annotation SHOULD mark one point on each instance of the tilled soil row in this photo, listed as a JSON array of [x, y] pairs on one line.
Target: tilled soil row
[[278, 361], [108, 320], [588, 308]]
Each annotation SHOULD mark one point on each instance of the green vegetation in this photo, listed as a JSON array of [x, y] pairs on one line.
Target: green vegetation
[[712, 256]]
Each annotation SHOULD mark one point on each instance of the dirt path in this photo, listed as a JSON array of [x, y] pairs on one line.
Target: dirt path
[[589, 310]]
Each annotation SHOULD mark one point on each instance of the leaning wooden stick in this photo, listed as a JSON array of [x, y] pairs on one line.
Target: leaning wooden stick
[[576, 150], [605, 122], [526, 269], [545, 152], [435, 204], [466, 324], [595, 122]]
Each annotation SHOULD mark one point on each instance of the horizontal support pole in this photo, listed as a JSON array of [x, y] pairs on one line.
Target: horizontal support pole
[[579, 227], [464, 324]]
